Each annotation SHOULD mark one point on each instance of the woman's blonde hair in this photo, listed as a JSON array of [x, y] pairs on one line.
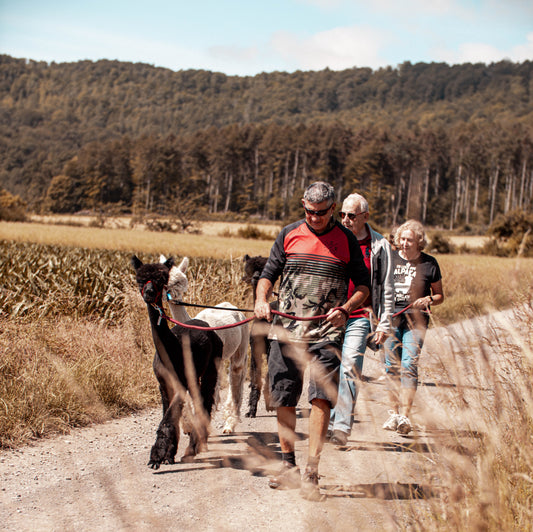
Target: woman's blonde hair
[[418, 230]]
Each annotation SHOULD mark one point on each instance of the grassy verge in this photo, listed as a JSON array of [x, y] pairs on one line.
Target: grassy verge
[[60, 373], [483, 458]]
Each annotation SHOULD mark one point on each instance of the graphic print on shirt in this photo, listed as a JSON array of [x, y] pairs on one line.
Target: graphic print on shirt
[[404, 273]]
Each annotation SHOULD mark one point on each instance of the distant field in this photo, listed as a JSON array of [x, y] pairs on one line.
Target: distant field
[[468, 241], [124, 222], [134, 240], [208, 228]]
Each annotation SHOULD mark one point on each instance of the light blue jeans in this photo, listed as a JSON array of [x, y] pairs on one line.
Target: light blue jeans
[[353, 350], [402, 351]]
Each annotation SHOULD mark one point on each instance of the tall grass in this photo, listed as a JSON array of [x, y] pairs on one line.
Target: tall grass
[[476, 284], [482, 425], [60, 373]]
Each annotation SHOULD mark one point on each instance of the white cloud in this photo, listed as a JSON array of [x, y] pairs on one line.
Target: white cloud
[[523, 52], [337, 49], [486, 53]]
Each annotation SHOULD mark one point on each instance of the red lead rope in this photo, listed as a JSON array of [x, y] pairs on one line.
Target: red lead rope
[[238, 323]]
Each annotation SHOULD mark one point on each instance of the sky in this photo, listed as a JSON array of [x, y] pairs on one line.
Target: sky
[[246, 37]]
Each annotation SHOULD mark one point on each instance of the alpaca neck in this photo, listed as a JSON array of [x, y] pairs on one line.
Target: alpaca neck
[[158, 322], [167, 347], [179, 312]]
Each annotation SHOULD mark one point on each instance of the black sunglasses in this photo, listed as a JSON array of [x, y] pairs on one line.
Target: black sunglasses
[[322, 212], [351, 215]]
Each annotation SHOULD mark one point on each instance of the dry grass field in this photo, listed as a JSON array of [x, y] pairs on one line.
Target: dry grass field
[[138, 240]]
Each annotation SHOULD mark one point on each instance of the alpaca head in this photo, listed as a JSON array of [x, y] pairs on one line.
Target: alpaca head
[[151, 278], [177, 280], [253, 266]]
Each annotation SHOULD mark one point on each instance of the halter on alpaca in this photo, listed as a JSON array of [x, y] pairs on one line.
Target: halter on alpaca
[[186, 360], [235, 340]]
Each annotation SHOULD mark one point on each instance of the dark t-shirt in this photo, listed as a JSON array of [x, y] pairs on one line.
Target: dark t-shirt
[[413, 279], [366, 250]]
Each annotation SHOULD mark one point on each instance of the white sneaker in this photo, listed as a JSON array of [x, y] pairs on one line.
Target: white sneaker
[[392, 422], [404, 425]]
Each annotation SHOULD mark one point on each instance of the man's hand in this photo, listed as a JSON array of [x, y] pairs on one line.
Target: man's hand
[[262, 294], [337, 317], [262, 310], [379, 337]]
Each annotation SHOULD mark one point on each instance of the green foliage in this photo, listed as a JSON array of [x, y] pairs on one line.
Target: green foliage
[[146, 139]]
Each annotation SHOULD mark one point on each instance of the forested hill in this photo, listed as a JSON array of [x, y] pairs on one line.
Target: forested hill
[[50, 113]]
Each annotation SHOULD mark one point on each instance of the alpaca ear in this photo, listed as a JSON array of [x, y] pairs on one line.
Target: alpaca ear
[[169, 262], [136, 262], [184, 265], [246, 258], [162, 259]]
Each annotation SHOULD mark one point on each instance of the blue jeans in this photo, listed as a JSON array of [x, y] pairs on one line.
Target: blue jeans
[[402, 351], [353, 350]]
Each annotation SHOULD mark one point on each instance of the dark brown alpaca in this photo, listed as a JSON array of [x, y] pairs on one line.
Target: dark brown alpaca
[[186, 360], [253, 266]]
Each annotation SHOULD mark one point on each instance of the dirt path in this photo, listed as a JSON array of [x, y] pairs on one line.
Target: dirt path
[[97, 479]]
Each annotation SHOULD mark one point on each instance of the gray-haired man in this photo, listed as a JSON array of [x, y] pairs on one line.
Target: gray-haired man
[[316, 258]]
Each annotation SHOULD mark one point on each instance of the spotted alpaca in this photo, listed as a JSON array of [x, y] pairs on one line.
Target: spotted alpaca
[[186, 360]]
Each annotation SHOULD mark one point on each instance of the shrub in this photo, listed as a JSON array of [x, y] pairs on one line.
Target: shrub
[[12, 208], [511, 235], [253, 232], [440, 244]]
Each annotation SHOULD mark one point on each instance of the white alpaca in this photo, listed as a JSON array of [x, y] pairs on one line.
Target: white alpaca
[[235, 339]]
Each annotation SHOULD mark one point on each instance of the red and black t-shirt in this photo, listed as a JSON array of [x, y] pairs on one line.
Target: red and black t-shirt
[[315, 270]]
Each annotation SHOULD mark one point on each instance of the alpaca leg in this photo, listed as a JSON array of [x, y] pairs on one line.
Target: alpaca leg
[[258, 347], [200, 427], [255, 381], [189, 422], [166, 444], [266, 387], [232, 407]]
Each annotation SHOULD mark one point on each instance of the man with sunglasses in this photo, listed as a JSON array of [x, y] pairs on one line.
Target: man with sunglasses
[[315, 259], [379, 308]]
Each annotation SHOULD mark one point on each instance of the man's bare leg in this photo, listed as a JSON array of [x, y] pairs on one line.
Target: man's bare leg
[[318, 427], [286, 416]]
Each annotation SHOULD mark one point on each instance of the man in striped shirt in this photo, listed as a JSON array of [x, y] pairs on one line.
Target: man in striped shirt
[[315, 258]]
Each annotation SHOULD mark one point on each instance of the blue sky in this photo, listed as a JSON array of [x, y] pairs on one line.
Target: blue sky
[[245, 37]]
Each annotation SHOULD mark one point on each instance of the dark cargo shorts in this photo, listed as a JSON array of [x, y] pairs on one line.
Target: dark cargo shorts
[[286, 366]]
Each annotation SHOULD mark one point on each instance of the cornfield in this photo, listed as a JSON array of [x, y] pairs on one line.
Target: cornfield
[[41, 281]]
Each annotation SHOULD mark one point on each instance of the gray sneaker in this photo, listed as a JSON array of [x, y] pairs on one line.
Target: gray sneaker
[[309, 489], [339, 437]]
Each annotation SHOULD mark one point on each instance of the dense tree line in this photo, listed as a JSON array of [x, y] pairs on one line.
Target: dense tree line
[[443, 177], [448, 144]]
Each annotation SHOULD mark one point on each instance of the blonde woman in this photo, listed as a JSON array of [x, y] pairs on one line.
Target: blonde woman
[[417, 287]]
